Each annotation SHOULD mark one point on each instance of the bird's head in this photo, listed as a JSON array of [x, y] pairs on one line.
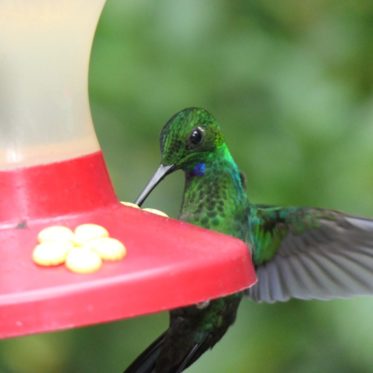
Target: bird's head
[[187, 141], [189, 137]]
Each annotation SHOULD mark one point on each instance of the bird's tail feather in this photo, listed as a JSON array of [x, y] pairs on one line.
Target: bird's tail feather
[[190, 358], [145, 363]]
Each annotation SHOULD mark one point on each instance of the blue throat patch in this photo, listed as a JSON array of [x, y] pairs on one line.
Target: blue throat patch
[[199, 169]]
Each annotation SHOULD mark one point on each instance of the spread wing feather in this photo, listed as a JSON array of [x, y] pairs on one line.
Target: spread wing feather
[[309, 253]]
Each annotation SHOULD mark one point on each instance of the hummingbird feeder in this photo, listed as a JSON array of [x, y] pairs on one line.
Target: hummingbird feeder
[[52, 172]]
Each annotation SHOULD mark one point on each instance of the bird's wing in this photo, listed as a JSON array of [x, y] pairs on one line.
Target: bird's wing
[[309, 253]]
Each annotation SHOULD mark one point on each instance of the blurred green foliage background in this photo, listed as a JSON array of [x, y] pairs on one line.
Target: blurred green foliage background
[[291, 83]]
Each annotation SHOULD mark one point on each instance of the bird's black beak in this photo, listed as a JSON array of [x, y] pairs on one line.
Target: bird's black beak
[[154, 181]]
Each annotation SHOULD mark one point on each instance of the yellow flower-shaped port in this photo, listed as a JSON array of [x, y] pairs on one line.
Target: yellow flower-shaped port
[[83, 260], [107, 248], [148, 209], [51, 253], [156, 212], [56, 233], [87, 232], [130, 204], [82, 250]]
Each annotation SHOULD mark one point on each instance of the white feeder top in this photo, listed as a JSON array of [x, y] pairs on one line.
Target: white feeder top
[[44, 60]]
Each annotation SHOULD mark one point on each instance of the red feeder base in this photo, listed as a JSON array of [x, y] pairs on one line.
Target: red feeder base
[[169, 263]]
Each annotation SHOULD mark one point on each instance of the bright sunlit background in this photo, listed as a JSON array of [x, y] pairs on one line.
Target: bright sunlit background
[[291, 84]]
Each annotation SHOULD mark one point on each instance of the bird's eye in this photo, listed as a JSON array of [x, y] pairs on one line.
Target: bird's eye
[[196, 136]]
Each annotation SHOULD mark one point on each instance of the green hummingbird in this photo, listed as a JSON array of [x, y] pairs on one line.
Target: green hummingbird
[[304, 253]]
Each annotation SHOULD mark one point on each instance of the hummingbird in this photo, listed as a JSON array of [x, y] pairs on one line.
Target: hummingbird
[[298, 252]]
